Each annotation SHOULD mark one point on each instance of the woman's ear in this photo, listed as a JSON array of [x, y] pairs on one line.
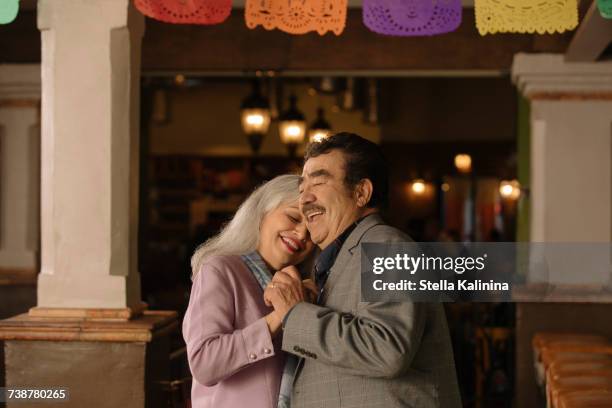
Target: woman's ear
[[363, 192]]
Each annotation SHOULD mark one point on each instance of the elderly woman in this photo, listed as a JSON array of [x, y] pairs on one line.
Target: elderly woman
[[234, 354]]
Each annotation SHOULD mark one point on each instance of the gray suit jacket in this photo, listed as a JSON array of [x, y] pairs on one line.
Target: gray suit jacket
[[358, 354]]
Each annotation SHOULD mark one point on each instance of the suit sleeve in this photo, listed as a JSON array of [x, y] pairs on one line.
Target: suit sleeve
[[380, 340], [215, 349]]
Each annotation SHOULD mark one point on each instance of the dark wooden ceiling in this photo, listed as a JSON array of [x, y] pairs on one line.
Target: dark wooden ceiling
[[232, 47]]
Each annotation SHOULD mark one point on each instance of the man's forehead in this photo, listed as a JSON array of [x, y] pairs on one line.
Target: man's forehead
[[327, 161]]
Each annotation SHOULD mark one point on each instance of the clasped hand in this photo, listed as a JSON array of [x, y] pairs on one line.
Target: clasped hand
[[288, 289]]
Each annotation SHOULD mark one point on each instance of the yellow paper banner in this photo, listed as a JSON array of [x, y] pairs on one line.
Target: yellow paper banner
[[525, 16]]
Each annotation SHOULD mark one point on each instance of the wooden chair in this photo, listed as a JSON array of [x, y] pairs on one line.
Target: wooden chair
[[547, 345], [586, 399], [593, 382]]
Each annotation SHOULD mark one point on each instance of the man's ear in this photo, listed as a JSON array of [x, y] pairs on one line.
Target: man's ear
[[363, 192]]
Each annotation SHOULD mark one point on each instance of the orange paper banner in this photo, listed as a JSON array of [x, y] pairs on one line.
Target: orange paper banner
[[297, 16]]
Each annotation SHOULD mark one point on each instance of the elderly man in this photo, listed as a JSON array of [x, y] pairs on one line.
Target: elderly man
[[353, 353]]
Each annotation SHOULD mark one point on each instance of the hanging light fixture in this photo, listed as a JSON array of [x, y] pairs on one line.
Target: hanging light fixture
[[255, 117], [319, 129], [292, 126]]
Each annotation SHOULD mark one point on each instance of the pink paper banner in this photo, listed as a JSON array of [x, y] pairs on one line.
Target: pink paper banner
[[204, 12]]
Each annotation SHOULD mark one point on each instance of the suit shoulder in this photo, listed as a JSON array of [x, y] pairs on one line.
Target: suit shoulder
[[385, 233]]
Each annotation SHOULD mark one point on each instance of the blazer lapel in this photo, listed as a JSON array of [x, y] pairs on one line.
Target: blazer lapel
[[347, 250]]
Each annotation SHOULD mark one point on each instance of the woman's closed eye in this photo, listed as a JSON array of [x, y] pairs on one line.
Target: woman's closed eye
[[294, 216]]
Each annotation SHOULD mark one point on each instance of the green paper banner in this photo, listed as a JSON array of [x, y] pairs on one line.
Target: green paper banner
[[8, 10], [605, 8]]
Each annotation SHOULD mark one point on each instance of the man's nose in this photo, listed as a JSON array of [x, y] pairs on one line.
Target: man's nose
[[306, 197]]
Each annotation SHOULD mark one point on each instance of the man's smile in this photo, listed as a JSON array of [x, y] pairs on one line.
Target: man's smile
[[312, 216], [312, 212]]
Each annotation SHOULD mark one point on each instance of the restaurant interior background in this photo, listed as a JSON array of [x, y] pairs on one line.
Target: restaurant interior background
[[450, 143], [445, 110]]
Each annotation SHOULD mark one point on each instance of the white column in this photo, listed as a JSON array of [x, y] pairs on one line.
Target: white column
[[90, 126], [19, 167], [571, 147]]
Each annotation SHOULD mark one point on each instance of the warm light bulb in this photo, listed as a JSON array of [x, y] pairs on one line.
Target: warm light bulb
[[255, 119], [463, 162], [292, 131], [318, 135], [179, 79], [510, 189], [418, 186]]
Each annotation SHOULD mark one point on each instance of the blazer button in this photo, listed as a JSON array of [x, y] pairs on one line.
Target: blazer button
[[267, 351], [252, 356]]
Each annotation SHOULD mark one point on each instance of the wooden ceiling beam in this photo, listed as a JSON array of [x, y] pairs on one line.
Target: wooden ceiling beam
[[591, 38]]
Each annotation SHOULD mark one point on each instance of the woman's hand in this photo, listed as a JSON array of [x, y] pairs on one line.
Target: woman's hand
[[290, 277]]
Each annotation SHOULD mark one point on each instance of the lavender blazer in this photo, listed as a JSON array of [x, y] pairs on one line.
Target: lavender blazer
[[233, 359]]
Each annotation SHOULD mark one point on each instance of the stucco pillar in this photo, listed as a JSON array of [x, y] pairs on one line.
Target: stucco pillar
[[19, 171], [571, 147], [90, 131], [570, 191]]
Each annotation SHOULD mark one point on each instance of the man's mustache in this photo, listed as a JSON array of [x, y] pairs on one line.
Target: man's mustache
[[307, 208]]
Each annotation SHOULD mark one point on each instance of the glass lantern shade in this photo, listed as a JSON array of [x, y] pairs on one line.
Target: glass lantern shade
[[292, 131], [320, 129], [255, 117], [318, 135], [255, 121], [292, 127]]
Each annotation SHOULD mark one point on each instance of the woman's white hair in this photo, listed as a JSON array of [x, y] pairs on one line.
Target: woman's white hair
[[241, 234]]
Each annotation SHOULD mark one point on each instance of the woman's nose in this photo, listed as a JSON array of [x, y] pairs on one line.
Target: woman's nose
[[301, 231]]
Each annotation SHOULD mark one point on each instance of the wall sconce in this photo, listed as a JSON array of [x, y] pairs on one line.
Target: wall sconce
[[463, 163], [292, 126], [319, 129], [255, 117], [510, 189]]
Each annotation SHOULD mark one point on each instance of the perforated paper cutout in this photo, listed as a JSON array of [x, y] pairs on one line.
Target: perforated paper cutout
[[525, 16], [605, 8], [412, 17], [297, 16], [8, 11], [204, 12]]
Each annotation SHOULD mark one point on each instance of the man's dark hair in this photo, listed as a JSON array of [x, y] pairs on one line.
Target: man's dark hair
[[363, 159]]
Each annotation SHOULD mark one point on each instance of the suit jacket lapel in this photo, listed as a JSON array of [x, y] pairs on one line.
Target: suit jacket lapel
[[347, 250]]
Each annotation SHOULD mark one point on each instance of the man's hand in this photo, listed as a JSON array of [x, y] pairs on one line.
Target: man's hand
[[285, 291]]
